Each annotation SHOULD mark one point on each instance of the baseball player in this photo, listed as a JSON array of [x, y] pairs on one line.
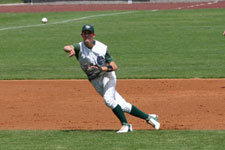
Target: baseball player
[[96, 61]]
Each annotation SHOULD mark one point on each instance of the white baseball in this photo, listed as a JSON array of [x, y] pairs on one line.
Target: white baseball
[[44, 20]]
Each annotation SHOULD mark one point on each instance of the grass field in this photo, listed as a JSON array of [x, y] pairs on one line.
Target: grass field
[[145, 44], [11, 1], [102, 140]]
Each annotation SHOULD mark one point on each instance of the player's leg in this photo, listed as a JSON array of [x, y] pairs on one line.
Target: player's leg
[[105, 86], [129, 108], [109, 84], [133, 110]]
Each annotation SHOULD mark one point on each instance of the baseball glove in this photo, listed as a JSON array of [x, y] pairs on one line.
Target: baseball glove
[[93, 72]]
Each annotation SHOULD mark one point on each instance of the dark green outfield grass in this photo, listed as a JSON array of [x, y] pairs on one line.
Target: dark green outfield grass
[[102, 140], [11, 1], [145, 44]]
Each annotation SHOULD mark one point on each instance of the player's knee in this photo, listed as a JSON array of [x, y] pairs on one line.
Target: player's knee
[[111, 103], [126, 107]]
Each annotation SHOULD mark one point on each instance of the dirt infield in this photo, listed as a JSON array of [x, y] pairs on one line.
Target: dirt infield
[[74, 104]]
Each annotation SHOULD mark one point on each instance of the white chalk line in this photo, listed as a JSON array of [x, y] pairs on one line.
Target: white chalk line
[[192, 6], [66, 21], [197, 5]]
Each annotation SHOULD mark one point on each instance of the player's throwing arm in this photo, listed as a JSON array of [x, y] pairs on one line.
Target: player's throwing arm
[[69, 49]]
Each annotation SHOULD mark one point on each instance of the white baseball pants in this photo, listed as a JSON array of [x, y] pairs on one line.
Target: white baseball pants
[[106, 87]]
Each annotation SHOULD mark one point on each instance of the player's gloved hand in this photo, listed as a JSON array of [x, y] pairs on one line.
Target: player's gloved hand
[[93, 72]]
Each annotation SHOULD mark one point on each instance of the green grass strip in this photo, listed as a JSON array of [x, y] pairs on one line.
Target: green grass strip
[[144, 44], [102, 140], [11, 1]]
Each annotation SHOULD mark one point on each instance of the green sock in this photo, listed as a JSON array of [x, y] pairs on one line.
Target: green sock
[[120, 114], [138, 113]]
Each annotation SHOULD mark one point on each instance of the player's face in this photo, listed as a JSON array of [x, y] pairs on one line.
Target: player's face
[[87, 36]]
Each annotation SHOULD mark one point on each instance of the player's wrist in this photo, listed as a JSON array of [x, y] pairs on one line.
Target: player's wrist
[[109, 68], [104, 68]]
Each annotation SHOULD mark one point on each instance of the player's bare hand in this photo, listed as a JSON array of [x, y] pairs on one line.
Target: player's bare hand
[[69, 49], [71, 53]]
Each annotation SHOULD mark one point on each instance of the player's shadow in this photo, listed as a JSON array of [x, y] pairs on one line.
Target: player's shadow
[[80, 130]]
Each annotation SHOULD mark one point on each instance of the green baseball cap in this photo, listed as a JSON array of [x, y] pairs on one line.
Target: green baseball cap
[[88, 27]]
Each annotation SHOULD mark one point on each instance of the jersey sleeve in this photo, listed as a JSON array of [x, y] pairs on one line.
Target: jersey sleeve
[[108, 57], [77, 49]]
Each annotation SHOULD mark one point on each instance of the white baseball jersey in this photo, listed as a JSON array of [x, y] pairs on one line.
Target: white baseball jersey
[[105, 84], [98, 55]]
